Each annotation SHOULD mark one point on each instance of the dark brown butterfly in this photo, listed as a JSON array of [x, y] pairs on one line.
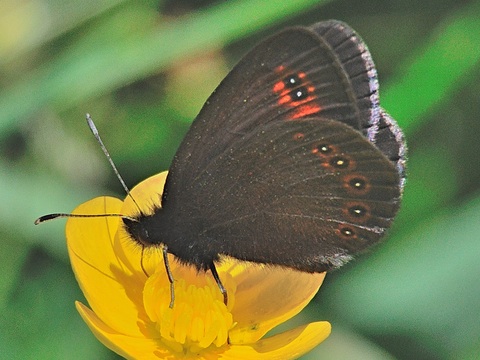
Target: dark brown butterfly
[[291, 161]]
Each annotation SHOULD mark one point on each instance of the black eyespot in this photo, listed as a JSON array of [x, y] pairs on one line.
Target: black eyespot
[[357, 183], [323, 149], [339, 162], [291, 81], [299, 93], [357, 211], [347, 232]]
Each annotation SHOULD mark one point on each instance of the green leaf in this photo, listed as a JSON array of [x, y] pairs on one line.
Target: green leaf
[[435, 71], [97, 66], [423, 283]]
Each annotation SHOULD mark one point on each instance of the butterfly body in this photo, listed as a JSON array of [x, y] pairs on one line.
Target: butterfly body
[[290, 162]]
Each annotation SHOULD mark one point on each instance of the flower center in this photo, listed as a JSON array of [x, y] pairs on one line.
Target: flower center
[[198, 319]]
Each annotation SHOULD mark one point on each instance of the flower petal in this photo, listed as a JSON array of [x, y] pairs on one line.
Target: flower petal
[[124, 345], [288, 345], [112, 291], [147, 194], [267, 296]]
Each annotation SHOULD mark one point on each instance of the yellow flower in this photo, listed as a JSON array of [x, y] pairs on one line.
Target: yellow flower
[[129, 311]]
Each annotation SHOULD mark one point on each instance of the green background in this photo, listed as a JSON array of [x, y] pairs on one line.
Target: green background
[[144, 69]]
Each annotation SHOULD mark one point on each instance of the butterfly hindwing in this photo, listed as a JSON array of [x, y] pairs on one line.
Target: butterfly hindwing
[[314, 188]]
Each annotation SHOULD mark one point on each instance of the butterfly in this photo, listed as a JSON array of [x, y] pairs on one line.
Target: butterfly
[[291, 161]]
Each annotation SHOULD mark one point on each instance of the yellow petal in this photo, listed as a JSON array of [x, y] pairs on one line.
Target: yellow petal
[[127, 346], [112, 291], [267, 296], [147, 194], [288, 345]]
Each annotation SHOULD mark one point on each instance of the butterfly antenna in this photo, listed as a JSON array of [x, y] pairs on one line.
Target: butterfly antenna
[[49, 217], [95, 133]]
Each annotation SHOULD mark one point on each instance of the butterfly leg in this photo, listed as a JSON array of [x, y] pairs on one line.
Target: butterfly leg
[[213, 269], [141, 262], [169, 274]]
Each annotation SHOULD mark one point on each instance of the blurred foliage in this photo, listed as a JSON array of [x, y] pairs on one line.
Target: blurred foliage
[[144, 69]]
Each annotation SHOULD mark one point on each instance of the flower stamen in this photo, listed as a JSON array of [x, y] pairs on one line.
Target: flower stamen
[[199, 318]]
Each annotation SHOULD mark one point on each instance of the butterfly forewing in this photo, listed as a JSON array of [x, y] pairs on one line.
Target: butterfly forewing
[[300, 72]]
